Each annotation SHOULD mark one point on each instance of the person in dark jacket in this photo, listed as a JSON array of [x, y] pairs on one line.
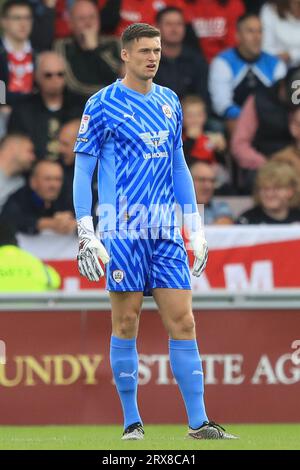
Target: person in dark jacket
[[41, 204], [182, 69], [92, 60], [42, 114]]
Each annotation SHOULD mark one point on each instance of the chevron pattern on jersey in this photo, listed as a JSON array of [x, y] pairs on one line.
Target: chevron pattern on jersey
[[144, 261], [134, 136]]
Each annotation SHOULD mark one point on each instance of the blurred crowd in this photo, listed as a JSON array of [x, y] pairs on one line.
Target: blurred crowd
[[234, 64]]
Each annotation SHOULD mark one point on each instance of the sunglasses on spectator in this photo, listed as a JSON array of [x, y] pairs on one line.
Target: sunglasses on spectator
[[53, 74]]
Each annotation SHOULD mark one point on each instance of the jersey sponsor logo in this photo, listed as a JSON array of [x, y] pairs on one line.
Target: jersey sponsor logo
[[82, 139], [84, 125], [118, 275], [167, 110], [147, 156], [155, 139]]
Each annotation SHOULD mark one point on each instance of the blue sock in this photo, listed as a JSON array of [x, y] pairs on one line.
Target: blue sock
[[187, 369], [124, 363]]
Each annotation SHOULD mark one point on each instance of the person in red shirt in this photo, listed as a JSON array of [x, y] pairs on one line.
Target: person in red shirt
[[16, 54], [214, 23]]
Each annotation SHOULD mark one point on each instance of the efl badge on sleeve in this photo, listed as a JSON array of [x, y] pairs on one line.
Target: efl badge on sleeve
[[84, 124]]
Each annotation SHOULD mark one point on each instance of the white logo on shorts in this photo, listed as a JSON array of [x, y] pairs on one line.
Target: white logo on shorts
[[167, 110], [84, 124], [118, 275]]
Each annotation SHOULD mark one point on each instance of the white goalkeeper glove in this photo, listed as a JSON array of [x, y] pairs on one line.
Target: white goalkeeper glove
[[90, 249], [197, 241], [200, 249]]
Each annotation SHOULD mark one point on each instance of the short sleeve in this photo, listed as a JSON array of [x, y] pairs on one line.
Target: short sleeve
[[178, 133], [92, 129]]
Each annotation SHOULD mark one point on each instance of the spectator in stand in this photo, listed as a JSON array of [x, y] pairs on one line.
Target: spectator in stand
[[291, 153], [201, 145], [197, 143], [16, 53], [281, 23], [67, 138], [92, 60], [41, 204], [238, 72], [62, 19], [126, 12], [262, 128], [214, 23], [276, 196], [254, 6], [42, 114], [42, 36], [16, 158], [204, 177], [19, 270], [181, 68]]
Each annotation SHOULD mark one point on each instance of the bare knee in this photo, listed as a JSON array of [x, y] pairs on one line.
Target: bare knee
[[126, 325], [182, 326]]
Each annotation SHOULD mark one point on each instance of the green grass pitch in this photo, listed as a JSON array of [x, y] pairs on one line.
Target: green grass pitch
[[158, 437]]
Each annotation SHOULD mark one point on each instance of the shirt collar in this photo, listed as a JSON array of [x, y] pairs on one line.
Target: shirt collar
[[20, 54]]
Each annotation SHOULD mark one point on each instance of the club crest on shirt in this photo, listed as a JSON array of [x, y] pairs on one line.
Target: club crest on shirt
[[167, 110], [118, 275], [84, 125]]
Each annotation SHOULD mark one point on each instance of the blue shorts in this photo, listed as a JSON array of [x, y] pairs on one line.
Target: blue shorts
[[145, 260]]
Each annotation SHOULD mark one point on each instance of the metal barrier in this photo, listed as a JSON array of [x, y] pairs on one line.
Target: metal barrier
[[93, 300]]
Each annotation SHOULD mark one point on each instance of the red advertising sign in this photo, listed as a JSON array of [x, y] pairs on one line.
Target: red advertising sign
[[58, 369]]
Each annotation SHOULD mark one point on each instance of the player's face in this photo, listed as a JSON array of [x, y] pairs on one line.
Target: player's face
[[142, 58], [274, 197]]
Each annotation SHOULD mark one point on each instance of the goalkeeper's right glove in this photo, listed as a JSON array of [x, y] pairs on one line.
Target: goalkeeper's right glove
[[90, 249]]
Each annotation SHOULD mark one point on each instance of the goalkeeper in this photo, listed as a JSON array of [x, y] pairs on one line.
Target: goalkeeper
[[132, 130]]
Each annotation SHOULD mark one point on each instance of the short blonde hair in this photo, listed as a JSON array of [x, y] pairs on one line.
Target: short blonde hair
[[280, 174]]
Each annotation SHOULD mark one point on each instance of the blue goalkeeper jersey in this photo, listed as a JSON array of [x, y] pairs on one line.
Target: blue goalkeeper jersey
[[134, 137]]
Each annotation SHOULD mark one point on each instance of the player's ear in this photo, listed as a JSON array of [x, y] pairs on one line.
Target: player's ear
[[124, 55]]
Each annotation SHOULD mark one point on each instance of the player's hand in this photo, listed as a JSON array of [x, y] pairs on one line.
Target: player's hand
[[200, 249], [90, 250]]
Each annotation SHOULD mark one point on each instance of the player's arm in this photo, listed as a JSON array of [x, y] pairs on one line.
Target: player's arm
[[90, 248], [88, 151], [186, 198]]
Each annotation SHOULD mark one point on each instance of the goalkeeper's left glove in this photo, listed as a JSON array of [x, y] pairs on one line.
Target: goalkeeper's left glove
[[90, 249], [200, 249], [197, 241]]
